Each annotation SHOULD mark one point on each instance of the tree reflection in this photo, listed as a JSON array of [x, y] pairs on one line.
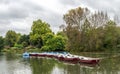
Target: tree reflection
[[51, 66], [42, 66]]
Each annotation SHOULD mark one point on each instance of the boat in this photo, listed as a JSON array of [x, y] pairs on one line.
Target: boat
[[88, 60], [78, 59], [33, 54], [25, 55], [67, 57]]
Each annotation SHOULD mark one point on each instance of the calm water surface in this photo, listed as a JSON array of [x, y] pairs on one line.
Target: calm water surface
[[11, 64]]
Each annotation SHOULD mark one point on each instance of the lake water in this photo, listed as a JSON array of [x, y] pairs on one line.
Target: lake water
[[13, 64]]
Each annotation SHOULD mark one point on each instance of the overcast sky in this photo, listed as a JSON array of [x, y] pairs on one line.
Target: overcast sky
[[18, 15]]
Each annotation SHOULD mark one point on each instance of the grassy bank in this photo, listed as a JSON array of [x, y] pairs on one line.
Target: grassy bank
[[14, 50]]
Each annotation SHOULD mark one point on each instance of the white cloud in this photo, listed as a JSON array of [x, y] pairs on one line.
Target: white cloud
[[18, 15]]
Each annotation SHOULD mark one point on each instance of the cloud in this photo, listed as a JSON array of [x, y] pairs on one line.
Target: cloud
[[18, 15], [14, 13], [111, 7], [69, 2]]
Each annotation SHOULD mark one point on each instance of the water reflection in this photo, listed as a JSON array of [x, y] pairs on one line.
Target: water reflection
[[42, 65], [17, 65], [51, 66], [13, 66]]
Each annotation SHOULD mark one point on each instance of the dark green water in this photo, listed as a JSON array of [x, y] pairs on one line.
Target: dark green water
[[11, 64]]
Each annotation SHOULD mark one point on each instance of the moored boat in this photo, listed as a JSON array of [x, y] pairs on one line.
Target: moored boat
[[88, 60], [66, 57], [33, 54], [26, 55], [78, 59]]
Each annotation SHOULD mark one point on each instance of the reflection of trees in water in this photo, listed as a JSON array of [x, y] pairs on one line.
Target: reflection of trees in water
[[42, 66], [107, 66], [72, 69], [47, 66], [10, 56], [77, 68], [110, 66]]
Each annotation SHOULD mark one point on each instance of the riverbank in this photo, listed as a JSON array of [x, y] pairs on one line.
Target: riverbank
[[22, 50], [89, 54]]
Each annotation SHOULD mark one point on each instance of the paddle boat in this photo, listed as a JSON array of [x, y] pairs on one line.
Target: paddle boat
[[78, 59], [88, 60], [67, 57], [25, 55]]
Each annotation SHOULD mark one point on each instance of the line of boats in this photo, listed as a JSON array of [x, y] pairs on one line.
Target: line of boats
[[64, 56]]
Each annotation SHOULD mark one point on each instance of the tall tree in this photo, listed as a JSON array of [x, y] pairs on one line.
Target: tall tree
[[76, 17], [74, 27], [85, 31], [98, 19], [111, 35], [117, 19], [39, 28], [1, 43], [10, 38]]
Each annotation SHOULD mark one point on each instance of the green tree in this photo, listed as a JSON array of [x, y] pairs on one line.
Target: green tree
[[53, 42], [47, 37], [11, 38], [47, 40], [1, 43], [74, 27], [111, 35], [58, 43], [118, 37], [39, 29], [61, 33], [85, 32], [75, 17], [24, 40]]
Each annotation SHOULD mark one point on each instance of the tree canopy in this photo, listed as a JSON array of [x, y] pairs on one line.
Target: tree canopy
[[1, 43], [24, 40], [90, 32], [38, 29], [82, 31], [54, 42], [11, 38]]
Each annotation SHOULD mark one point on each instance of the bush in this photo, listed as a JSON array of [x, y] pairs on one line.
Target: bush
[[18, 46], [30, 47], [24, 44], [45, 48], [34, 50]]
